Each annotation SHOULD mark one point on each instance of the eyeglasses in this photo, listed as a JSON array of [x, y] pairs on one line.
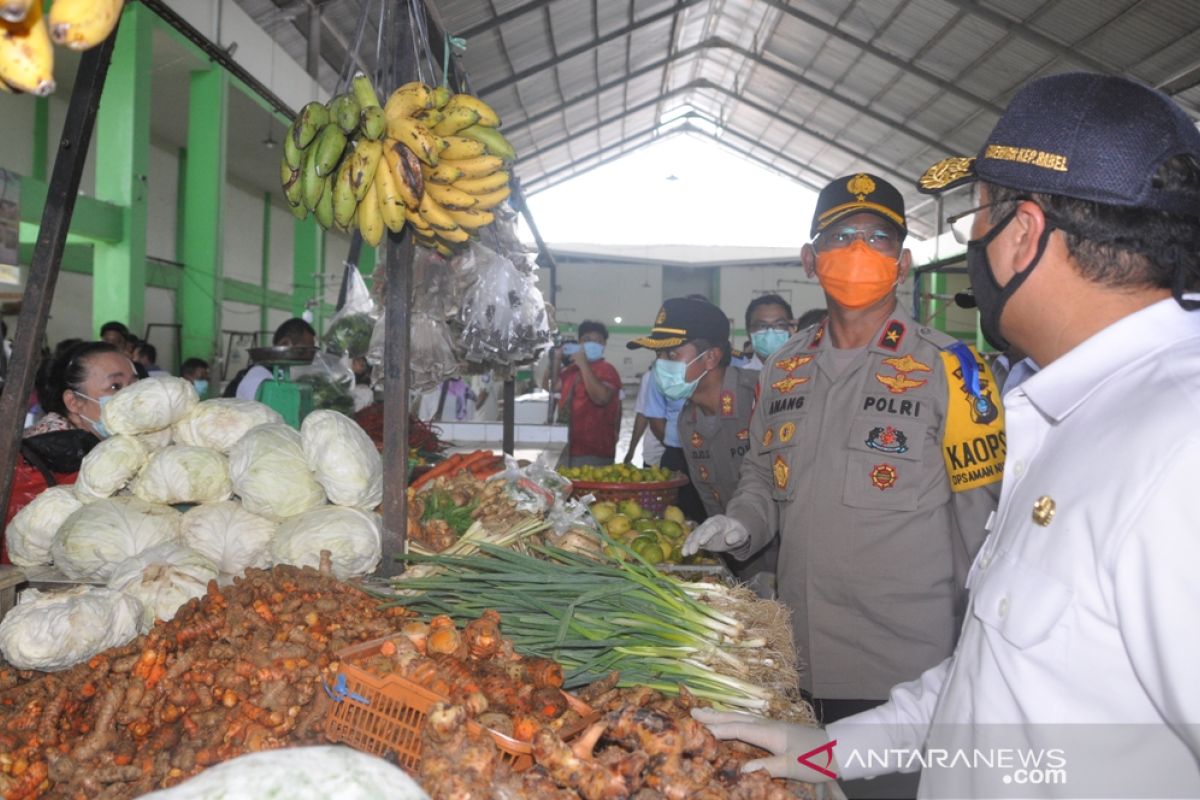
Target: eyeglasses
[[781, 325], [960, 224], [881, 239]]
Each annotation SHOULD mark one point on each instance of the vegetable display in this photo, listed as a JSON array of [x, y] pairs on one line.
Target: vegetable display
[[97, 537], [54, 630]]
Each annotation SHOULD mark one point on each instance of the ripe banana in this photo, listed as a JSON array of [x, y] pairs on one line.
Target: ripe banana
[[309, 122], [311, 184], [455, 119], [435, 215], [415, 137], [344, 109], [81, 24], [450, 198], [471, 219], [406, 170], [460, 147], [491, 139], [443, 250], [370, 221], [365, 158], [293, 155], [372, 122], [487, 116], [479, 166], [324, 210], [408, 100], [345, 204], [421, 228], [364, 92], [444, 172], [26, 55], [391, 205], [329, 148], [456, 235], [492, 199], [484, 185], [15, 10], [429, 117], [441, 95]]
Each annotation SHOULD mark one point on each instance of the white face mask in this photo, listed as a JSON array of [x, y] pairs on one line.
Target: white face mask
[[98, 427]]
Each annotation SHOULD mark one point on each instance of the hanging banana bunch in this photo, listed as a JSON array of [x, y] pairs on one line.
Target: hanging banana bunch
[[26, 34], [426, 157]]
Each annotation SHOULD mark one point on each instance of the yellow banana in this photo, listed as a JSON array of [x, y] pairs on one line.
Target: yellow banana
[[370, 221], [391, 205], [15, 11], [435, 215], [454, 120], [416, 137], [441, 95], [457, 235], [81, 24], [471, 219], [492, 199], [345, 204], [420, 226], [408, 180], [479, 166], [460, 147], [443, 249], [366, 155], [486, 184], [487, 116], [408, 100], [444, 172], [448, 197], [26, 55], [429, 117]]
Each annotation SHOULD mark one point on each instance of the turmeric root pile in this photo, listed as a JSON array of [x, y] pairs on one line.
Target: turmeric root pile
[[479, 672], [646, 746], [238, 670]]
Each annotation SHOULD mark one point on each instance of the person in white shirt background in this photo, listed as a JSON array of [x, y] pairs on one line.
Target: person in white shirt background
[[1075, 674]]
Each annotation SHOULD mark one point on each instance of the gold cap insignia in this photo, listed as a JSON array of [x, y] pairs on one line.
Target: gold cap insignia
[[947, 173], [662, 316], [860, 186], [1043, 510], [782, 472]]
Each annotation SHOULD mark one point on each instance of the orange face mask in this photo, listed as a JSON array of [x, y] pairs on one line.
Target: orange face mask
[[856, 276]]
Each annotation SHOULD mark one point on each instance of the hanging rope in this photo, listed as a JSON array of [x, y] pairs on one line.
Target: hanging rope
[[351, 55]]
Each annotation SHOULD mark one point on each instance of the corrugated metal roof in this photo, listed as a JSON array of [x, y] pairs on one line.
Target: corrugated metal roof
[[812, 89]]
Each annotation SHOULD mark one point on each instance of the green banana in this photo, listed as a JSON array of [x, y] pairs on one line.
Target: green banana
[[344, 109], [491, 139], [364, 92], [311, 184], [298, 210], [293, 154], [373, 122], [344, 202], [309, 122], [441, 95], [324, 210], [329, 148], [290, 180]]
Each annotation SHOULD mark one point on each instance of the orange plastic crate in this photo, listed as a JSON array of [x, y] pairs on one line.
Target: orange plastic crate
[[391, 719]]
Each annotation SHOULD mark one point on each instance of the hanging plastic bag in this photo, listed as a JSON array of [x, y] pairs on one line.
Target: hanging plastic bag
[[331, 379], [349, 330]]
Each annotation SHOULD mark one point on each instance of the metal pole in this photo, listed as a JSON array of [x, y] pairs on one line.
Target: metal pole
[[518, 199], [397, 301], [510, 415], [312, 62], [47, 253]]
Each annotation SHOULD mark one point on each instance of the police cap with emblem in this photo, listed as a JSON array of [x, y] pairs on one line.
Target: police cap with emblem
[[682, 319], [1081, 135], [854, 194]]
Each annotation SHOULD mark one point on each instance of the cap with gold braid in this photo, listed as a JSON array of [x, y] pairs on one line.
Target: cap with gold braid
[[682, 319], [854, 194]]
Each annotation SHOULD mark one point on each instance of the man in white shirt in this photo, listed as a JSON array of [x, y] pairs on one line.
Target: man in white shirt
[[294, 332], [1076, 671]]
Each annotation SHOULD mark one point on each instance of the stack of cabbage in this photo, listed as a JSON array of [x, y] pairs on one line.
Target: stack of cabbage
[[181, 493]]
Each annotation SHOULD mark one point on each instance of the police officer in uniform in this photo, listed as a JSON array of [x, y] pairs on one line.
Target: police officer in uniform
[[691, 338], [877, 453]]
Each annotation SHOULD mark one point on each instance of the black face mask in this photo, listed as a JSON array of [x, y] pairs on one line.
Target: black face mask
[[990, 297]]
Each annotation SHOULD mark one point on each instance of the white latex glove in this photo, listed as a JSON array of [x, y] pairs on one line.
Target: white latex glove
[[718, 534], [787, 741]]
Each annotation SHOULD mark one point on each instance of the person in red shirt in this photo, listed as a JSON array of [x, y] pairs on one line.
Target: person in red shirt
[[590, 399]]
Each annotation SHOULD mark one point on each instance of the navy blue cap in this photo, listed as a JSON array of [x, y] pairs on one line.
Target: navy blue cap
[[1082, 135], [854, 194], [682, 319]]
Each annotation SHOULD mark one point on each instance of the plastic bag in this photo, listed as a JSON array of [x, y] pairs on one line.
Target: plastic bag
[[504, 316], [56, 630], [350, 329], [331, 379], [536, 488], [431, 353]]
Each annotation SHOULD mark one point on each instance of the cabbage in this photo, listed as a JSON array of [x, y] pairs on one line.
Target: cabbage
[[351, 536], [32, 530], [233, 538], [55, 631], [162, 579], [184, 475], [155, 440], [343, 458], [270, 474], [97, 537], [298, 773], [221, 423], [151, 404], [109, 467]]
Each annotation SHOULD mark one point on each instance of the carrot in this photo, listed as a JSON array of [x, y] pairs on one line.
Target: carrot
[[444, 468], [476, 458]]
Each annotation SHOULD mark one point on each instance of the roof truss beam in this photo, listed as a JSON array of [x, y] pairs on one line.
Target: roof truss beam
[[500, 19]]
